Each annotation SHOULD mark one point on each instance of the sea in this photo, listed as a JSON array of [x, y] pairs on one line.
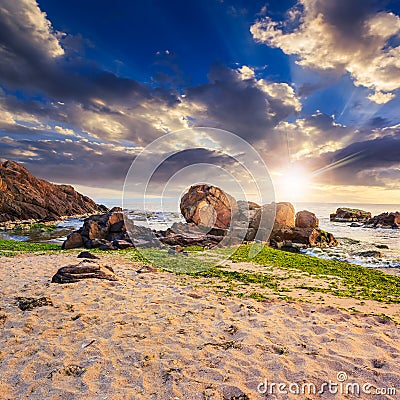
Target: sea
[[352, 240]]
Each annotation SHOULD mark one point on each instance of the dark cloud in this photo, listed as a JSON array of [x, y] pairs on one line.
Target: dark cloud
[[378, 122], [247, 107], [362, 163], [189, 157], [75, 162], [308, 88]]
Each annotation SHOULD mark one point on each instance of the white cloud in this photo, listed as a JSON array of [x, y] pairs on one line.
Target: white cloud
[[24, 18], [380, 97], [322, 41]]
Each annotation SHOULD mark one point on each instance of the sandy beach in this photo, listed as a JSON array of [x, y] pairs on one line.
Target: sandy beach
[[165, 336]]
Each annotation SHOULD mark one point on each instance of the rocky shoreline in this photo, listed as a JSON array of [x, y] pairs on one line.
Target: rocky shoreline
[[213, 218]]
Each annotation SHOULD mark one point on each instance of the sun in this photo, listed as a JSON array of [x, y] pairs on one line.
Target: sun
[[292, 184]]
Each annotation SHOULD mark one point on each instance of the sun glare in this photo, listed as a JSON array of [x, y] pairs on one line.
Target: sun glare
[[292, 184]]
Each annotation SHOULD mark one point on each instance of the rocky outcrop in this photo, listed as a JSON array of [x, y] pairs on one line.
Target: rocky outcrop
[[306, 219], [247, 222], [25, 197], [309, 237], [108, 232], [385, 220], [86, 269], [344, 214], [208, 206]]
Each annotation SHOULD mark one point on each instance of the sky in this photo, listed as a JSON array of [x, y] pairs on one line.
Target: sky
[[311, 85]]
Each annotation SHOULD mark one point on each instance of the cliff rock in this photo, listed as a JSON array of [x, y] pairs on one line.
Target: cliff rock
[[25, 197]]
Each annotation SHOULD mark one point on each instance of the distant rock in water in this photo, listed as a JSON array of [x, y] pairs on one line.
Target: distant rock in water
[[370, 253], [344, 214], [385, 220], [25, 197]]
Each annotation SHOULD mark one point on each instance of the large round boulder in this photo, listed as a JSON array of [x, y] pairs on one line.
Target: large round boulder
[[306, 219], [208, 206]]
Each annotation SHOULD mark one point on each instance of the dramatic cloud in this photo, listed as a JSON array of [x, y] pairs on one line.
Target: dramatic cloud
[[236, 100], [67, 161], [341, 35], [70, 120], [371, 162], [314, 135]]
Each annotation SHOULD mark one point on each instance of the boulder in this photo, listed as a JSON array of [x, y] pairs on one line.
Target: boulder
[[270, 216], [108, 246], [25, 197], [306, 219], [344, 214], [93, 230], [385, 220], [86, 269], [74, 240], [284, 216], [311, 237], [208, 206], [246, 210]]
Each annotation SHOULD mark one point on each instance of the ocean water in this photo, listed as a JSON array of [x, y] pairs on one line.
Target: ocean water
[[355, 240], [352, 241]]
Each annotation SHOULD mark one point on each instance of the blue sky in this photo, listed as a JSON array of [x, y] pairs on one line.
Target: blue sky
[[312, 85]]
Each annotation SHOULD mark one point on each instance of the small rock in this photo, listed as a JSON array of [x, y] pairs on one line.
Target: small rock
[[370, 253], [146, 269], [194, 295], [87, 254], [84, 270], [378, 363], [74, 370], [29, 303], [355, 225], [382, 246], [233, 393]]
